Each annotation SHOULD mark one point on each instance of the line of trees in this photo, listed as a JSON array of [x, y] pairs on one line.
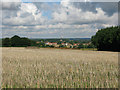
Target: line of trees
[[107, 39], [16, 41]]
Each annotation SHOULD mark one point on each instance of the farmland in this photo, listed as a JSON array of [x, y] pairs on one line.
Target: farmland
[[51, 68]]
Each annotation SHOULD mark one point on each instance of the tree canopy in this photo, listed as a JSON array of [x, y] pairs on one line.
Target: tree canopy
[[16, 41], [107, 39]]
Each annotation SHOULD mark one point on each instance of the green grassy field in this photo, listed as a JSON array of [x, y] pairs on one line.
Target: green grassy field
[[58, 68]]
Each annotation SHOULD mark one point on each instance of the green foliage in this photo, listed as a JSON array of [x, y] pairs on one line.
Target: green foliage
[[51, 46], [16, 41], [0, 42], [81, 46], [61, 46], [107, 39], [91, 46], [6, 42], [33, 43], [25, 42], [59, 42]]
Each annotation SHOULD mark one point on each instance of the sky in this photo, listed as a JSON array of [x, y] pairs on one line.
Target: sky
[[57, 19]]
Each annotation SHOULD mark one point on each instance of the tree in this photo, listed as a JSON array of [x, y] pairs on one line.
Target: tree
[[80, 46], [107, 39], [25, 42], [61, 46], [16, 41], [59, 42], [52, 46], [91, 46], [6, 42]]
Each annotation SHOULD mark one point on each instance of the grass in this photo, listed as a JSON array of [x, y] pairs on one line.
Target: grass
[[58, 68]]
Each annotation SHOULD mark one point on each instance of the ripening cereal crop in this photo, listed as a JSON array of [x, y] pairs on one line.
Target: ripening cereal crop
[[56, 68]]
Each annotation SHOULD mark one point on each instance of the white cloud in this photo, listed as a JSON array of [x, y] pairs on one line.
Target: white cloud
[[72, 15], [30, 8], [59, 26], [67, 20], [65, 3], [27, 15]]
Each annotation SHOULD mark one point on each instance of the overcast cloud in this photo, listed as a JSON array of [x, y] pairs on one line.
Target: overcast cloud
[[57, 19]]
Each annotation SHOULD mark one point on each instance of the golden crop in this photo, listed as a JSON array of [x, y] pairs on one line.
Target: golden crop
[[56, 68]]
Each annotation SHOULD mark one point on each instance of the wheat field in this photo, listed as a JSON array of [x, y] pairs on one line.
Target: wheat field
[[58, 68]]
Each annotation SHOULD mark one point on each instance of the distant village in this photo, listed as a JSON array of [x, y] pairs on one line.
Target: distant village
[[65, 44]]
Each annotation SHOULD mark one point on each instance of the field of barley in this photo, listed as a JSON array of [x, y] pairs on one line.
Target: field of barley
[[58, 68]]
